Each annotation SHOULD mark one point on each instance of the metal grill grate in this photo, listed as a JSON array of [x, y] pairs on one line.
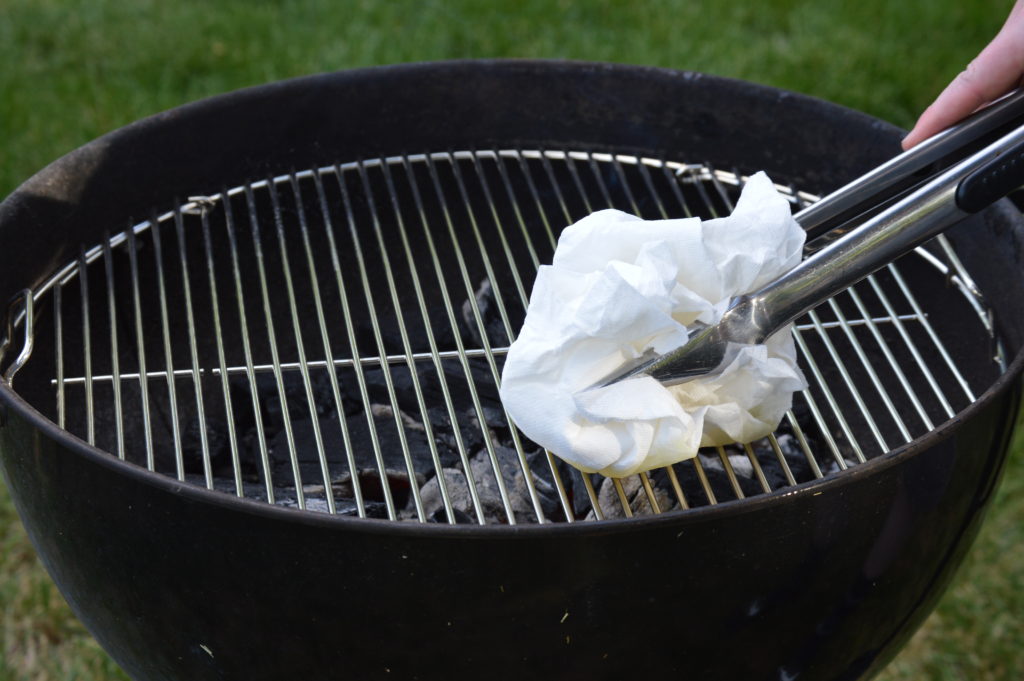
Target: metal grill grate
[[332, 340]]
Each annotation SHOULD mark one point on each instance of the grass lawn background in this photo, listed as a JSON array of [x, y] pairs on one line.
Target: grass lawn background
[[71, 71]]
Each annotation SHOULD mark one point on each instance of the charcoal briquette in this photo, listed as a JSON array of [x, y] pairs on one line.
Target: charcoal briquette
[[217, 447], [489, 317], [482, 468], [636, 496], [433, 503], [376, 382], [795, 457]]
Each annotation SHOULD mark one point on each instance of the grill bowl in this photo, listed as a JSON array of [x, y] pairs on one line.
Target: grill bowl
[[825, 580]]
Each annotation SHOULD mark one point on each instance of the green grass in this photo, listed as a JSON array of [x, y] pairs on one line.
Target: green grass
[[74, 70]]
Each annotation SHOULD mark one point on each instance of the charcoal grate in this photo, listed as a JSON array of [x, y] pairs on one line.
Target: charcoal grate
[[332, 340]]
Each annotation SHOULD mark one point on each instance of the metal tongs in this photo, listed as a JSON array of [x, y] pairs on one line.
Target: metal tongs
[[864, 226]]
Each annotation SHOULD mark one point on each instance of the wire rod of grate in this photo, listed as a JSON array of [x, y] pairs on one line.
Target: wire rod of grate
[[438, 250]]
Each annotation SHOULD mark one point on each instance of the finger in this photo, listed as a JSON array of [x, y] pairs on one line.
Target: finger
[[994, 72]]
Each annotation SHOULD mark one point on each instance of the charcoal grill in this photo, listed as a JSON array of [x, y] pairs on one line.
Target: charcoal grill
[[268, 410]]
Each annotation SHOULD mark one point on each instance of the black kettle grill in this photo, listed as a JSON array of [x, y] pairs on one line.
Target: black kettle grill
[[249, 400]]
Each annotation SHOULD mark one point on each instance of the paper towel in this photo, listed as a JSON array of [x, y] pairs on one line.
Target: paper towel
[[618, 286]]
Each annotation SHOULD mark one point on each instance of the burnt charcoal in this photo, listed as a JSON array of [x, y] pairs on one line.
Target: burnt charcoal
[[772, 469], [318, 503], [217, 445], [306, 451], [319, 385], [441, 427], [805, 418], [458, 386], [660, 480], [718, 481], [268, 392], [241, 399], [688, 482], [489, 316], [372, 486], [544, 483], [769, 461], [388, 439], [715, 473], [274, 413], [444, 331], [390, 443], [831, 467], [323, 393], [740, 462], [349, 407], [494, 416], [314, 496], [249, 454], [440, 516], [439, 420], [349, 507], [447, 447], [801, 411], [483, 377], [608, 500], [795, 458], [472, 430], [460, 517], [640, 502], [573, 480], [430, 384], [469, 429], [433, 504], [515, 484], [636, 495], [225, 484], [377, 388], [217, 441], [512, 475], [743, 468]]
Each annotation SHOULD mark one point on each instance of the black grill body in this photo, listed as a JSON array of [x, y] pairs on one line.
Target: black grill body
[[824, 582]]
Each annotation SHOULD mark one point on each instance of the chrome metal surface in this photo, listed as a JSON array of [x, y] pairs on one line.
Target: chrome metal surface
[[886, 179], [26, 318], [332, 340], [755, 316]]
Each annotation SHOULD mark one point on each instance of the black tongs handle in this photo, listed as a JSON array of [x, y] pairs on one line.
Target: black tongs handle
[[991, 182], [923, 161]]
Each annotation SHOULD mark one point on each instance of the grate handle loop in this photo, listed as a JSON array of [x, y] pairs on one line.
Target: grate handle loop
[[19, 312]]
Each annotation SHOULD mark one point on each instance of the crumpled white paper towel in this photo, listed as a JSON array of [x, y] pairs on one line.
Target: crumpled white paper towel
[[619, 285]]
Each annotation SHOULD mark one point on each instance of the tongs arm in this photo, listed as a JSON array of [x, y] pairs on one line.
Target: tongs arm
[[913, 166], [952, 196], [967, 187]]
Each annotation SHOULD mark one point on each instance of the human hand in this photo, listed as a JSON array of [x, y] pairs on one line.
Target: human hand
[[994, 72]]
